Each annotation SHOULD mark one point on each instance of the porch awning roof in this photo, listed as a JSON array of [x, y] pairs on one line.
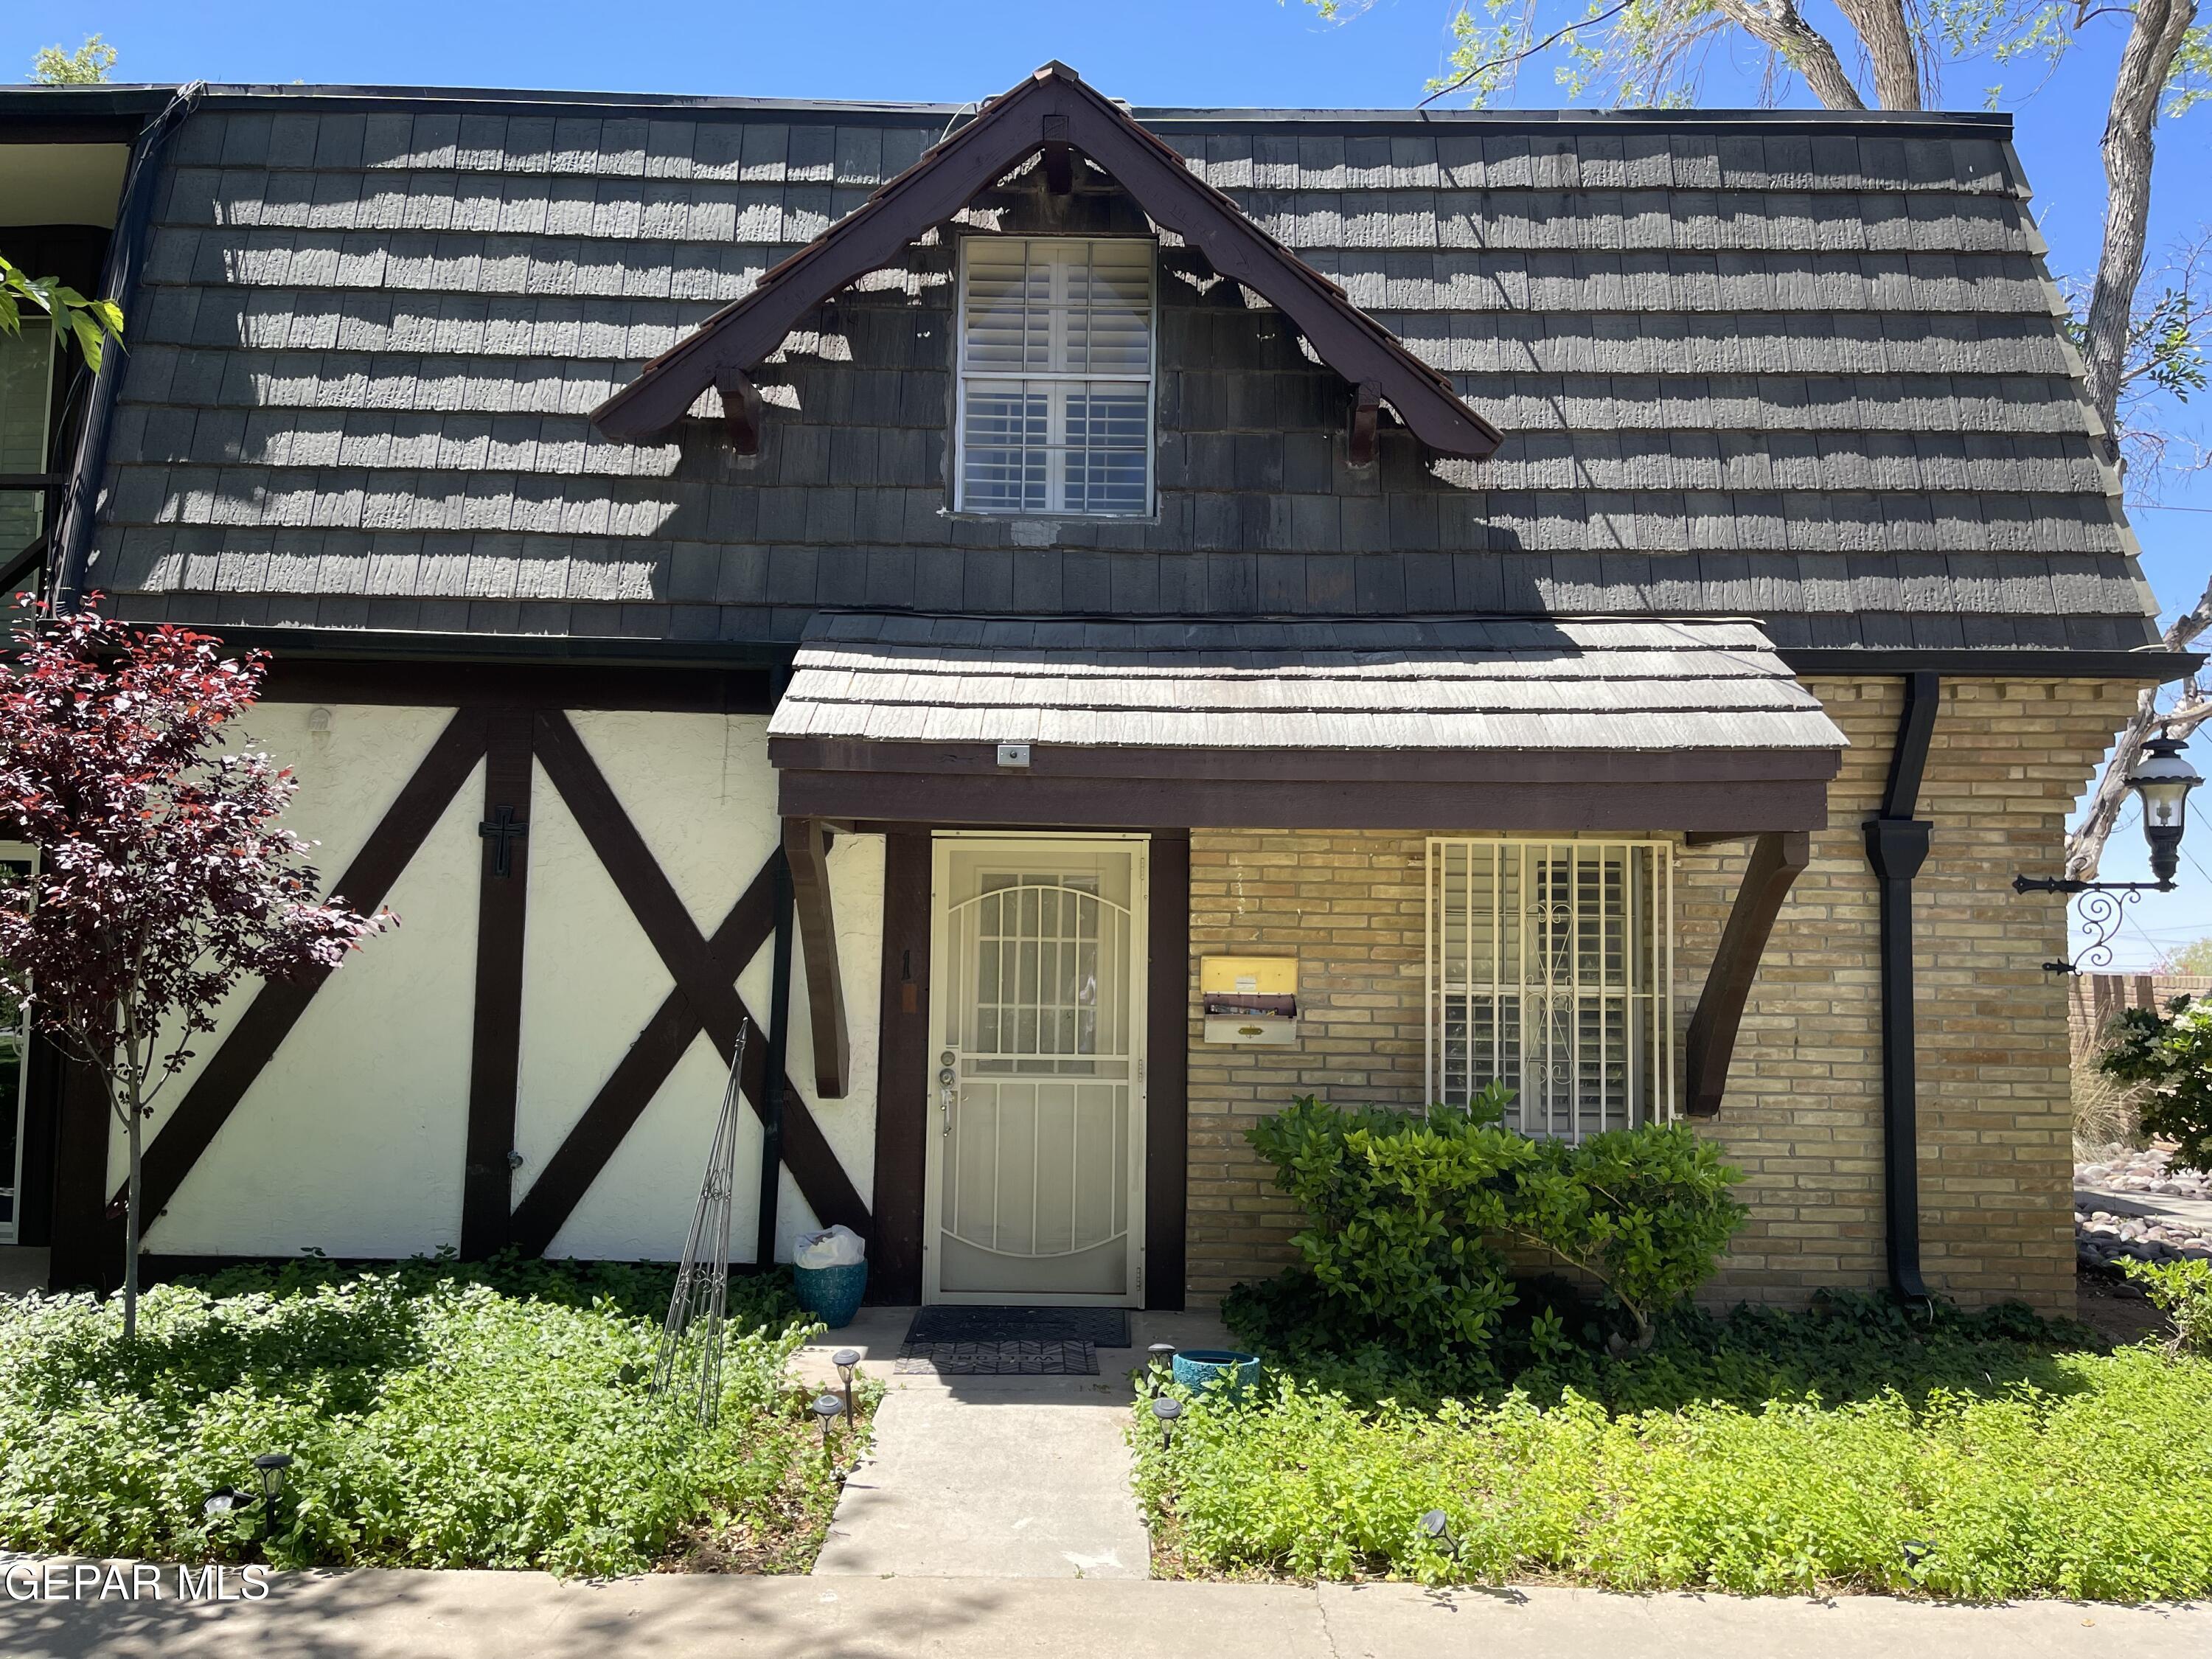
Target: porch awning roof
[[1463, 723]]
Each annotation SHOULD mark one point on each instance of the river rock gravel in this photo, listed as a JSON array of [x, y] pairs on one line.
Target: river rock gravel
[[2104, 1239]]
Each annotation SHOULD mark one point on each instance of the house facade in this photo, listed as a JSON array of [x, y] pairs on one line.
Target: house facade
[[1078, 625]]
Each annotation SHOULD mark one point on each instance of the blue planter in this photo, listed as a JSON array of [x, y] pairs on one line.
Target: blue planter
[[832, 1295], [1196, 1368]]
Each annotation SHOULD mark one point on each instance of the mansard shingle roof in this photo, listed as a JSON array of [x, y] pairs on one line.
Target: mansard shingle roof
[[1802, 367]]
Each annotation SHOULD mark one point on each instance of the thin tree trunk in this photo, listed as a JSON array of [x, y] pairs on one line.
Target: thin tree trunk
[[1887, 34], [2145, 62], [130, 1225], [1778, 24]]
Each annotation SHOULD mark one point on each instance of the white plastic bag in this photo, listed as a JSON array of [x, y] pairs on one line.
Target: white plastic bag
[[840, 1247]]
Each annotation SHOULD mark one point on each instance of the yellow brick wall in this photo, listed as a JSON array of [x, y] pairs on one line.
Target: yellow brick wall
[[1802, 1117]]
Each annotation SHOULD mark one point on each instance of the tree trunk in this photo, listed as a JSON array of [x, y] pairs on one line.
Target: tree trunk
[[130, 1226], [1778, 24], [1887, 34], [2145, 62]]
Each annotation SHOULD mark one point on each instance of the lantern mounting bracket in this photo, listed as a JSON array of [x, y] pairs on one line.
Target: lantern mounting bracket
[[2103, 905]]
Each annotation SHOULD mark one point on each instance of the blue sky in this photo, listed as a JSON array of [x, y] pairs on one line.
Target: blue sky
[[1185, 51]]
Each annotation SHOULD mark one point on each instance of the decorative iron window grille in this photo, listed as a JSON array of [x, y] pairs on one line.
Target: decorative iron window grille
[[1057, 357], [1551, 966]]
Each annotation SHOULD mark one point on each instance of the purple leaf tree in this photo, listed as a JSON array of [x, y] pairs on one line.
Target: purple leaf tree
[[161, 876]]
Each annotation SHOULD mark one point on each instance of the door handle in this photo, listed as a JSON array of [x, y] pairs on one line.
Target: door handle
[[947, 1085]]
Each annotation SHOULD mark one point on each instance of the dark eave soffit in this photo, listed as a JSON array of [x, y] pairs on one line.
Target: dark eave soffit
[[1008, 130]]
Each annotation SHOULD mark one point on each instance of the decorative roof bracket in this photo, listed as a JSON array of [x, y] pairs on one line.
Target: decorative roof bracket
[[1366, 410]]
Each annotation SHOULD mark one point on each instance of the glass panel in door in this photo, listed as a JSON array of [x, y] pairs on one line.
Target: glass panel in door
[[1038, 1027]]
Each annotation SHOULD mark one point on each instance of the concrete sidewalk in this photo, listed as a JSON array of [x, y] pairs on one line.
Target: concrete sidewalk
[[487, 1615], [993, 1477]]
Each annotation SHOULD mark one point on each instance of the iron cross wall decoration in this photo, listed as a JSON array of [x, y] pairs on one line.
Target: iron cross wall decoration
[[502, 830]]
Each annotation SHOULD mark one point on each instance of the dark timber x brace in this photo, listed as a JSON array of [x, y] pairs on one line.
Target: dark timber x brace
[[508, 738]]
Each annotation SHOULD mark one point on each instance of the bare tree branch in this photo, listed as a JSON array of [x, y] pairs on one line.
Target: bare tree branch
[[2146, 62], [1780, 25], [1520, 54], [1888, 34]]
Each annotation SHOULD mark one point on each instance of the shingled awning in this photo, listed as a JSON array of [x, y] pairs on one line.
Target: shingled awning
[[1457, 724]]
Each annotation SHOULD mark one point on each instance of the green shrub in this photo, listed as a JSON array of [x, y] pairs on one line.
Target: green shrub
[[1409, 1216], [2183, 1291], [1398, 1211], [436, 1421], [2095, 1487], [2169, 1056], [1646, 1212]]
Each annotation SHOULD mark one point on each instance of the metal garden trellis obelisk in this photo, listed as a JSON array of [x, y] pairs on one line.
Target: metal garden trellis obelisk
[[690, 1358]]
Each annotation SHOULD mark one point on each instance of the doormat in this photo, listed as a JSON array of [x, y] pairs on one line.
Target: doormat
[[1017, 1358], [1105, 1327]]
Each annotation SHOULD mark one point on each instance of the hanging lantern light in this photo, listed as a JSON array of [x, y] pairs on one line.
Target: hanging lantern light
[[2162, 781]]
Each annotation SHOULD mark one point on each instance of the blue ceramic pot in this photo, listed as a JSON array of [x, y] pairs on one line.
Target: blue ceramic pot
[[1196, 1368], [832, 1295]]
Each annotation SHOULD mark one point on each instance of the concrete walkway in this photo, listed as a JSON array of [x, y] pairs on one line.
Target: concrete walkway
[[488, 1615], [993, 1477]]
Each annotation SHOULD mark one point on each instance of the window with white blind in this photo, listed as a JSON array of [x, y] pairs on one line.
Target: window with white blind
[[1056, 410], [1550, 967]]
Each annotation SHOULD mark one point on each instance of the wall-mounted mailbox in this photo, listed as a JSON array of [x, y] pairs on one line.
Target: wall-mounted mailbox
[[1249, 999]]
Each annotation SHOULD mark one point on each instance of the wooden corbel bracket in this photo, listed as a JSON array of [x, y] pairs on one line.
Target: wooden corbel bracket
[[1366, 412], [1778, 858], [741, 412], [806, 847]]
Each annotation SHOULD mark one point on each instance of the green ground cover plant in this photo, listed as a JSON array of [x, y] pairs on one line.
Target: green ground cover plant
[[1856, 1447], [439, 1416]]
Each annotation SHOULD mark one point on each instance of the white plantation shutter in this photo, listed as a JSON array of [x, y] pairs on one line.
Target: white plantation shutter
[[1550, 967], [1055, 375]]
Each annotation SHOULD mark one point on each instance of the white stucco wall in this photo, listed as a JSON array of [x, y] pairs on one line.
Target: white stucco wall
[[352, 1139], [701, 791]]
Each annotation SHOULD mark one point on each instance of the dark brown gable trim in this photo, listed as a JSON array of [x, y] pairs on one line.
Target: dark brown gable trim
[[1776, 861], [1010, 129], [276, 1007]]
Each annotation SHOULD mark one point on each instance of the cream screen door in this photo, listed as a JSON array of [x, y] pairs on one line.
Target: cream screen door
[[1036, 1040]]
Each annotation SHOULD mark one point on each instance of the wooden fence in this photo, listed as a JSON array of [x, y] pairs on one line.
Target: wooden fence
[[2093, 1000]]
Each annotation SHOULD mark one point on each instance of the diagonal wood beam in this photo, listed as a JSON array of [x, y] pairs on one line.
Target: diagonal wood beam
[[276, 1007], [623, 1098], [806, 850], [699, 976], [1778, 858]]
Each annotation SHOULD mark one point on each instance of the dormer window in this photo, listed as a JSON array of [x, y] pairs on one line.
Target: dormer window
[[1056, 360]]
